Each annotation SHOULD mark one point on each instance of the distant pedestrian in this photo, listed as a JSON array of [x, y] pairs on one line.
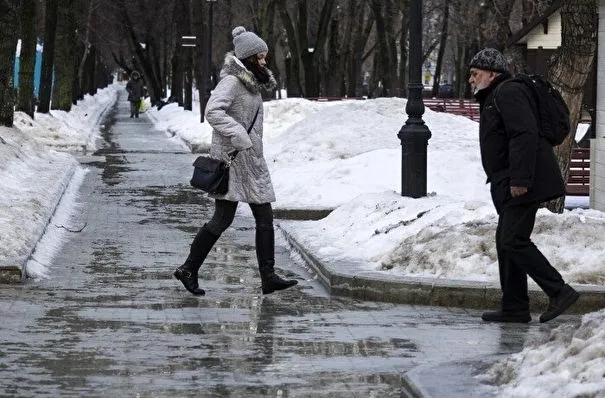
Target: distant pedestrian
[[523, 171], [136, 90], [236, 104]]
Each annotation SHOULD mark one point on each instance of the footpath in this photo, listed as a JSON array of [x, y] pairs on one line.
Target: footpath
[[436, 340]]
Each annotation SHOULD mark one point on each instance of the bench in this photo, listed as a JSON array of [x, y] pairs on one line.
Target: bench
[[578, 180], [462, 107]]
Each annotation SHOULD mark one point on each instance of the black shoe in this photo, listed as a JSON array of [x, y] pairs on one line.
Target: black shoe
[[507, 316], [558, 305], [189, 280], [273, 282]]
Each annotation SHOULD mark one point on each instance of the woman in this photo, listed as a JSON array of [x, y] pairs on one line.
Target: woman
[[234, 107]]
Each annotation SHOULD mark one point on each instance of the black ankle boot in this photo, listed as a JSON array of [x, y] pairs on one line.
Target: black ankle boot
[[265, 254], [200, 247], [188, 279]]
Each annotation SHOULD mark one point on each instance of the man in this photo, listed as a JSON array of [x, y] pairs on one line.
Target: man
[[523, 172], [136, 89]]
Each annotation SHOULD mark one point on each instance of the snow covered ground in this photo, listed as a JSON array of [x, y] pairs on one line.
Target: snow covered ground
[[345, 156]]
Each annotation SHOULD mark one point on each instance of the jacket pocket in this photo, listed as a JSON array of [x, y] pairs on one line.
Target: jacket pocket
[[500, 191]]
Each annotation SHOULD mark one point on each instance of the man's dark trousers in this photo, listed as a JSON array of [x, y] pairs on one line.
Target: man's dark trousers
[[519, 257]]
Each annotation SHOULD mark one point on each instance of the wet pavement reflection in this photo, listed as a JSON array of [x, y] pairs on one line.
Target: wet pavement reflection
[[111, 321]]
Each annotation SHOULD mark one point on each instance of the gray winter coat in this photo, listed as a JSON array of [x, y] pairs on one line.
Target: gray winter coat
[[230, 111]]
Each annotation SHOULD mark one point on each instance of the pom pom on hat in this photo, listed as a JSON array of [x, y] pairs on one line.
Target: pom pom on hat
[[237, 31], [247, 43]]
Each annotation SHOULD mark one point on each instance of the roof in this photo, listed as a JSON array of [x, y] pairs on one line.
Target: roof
[[555, 6]]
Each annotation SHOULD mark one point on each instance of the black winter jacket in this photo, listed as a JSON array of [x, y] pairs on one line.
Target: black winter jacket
[[512, 151], [136, 89]]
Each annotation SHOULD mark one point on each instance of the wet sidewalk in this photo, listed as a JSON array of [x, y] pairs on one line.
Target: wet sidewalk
[[111, 320]]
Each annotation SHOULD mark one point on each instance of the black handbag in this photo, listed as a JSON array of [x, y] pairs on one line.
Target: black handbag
[[212, 175]]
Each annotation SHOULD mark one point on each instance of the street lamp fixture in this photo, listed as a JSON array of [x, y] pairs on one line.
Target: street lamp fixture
[[414, 135]]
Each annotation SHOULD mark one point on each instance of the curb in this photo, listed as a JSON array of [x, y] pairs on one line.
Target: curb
[[301, 214], [364, 284], [13, 271], [16, 266]]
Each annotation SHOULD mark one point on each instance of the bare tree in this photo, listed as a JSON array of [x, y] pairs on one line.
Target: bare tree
[[362, 24], [570, 69], [304, 43], [385, 15]]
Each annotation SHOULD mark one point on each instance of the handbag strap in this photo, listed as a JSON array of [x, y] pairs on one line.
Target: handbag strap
[[233, 154]]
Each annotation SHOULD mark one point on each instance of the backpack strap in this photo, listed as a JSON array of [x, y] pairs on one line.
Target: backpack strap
[[497, 90]]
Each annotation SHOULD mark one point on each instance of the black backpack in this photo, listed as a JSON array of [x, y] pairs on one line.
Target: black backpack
[[553, 113]]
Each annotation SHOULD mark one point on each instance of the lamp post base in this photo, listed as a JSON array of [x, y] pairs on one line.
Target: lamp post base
[[414, 142]]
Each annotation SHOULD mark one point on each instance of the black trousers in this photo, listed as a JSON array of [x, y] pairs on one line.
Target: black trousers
[[224, 212], [134, 107], [519, 257]]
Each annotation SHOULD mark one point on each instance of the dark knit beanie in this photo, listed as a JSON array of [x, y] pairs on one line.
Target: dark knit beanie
[[489, 59], [247, 43]]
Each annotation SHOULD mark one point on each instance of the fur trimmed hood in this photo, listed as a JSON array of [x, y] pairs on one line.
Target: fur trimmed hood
[[233, 66]]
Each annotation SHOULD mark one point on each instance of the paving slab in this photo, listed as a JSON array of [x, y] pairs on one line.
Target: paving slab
[[111, 321]]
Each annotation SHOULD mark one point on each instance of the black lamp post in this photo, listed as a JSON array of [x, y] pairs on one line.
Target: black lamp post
[[414, 135]]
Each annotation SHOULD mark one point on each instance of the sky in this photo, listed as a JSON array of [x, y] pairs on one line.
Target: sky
[[341, 155]]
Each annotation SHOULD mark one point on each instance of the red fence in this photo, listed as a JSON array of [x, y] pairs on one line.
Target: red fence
[[462, 107], [578, 180]]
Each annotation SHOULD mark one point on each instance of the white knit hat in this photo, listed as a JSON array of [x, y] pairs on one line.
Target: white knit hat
[[247, 43]]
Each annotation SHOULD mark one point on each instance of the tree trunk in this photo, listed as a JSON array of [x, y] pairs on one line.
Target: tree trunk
[[442, 45], [266, 29], [176, 86], [187, 57], [90, 72], [48, 56], [392, 88], [188, 79], [573, 63], [25, 99], [81, 83], [350, 77], [333, 70], [292, 61], [502, 11], [403, 49], [65, 58], [383, 63], [199, 28], [8, 44]]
